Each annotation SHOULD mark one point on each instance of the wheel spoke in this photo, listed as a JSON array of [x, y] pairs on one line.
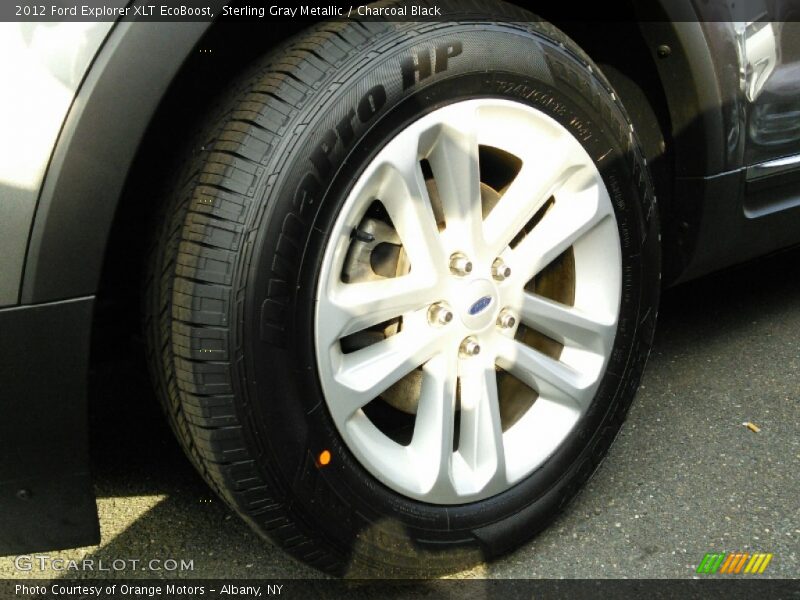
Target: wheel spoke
[[456, 171], [352, 307], [572, 216], [433, 430], [363, 375], [552, 379], [481, 433], [567, 324], [405, 197], [531, 188]]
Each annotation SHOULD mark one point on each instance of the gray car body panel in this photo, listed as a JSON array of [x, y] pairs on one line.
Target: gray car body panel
[[48, 65], [94, 154]]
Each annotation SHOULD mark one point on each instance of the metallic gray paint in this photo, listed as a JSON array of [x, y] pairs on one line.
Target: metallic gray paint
[[96, 148], [49, 64]]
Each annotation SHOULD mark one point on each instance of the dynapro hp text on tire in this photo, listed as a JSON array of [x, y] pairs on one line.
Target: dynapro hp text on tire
[[403, 295]]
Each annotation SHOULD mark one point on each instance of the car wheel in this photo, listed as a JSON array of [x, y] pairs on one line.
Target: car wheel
[[405, 289]]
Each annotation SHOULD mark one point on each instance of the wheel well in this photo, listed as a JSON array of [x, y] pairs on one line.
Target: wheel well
[[198, 86]]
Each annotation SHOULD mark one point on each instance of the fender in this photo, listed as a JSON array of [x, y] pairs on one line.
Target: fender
[[94, 154], [697, 64], [704, 72]]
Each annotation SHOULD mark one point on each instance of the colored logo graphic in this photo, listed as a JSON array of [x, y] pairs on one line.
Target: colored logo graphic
[[734, 563], [480, 305]]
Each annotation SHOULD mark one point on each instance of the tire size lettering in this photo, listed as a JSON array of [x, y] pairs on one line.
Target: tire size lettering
[[422, 63], [541, 98]]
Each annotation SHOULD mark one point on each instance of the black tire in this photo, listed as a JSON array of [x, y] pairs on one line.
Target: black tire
[[233, 276]]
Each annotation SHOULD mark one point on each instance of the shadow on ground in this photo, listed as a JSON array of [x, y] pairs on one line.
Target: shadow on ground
[[152, 503]]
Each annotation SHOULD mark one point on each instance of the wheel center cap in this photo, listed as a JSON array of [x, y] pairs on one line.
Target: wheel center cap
[[478, 305]]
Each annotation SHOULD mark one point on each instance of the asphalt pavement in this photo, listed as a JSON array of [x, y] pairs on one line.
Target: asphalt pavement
[[684, 478]]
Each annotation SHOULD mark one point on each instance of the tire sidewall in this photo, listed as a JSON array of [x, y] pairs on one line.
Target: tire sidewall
[[278, 282]]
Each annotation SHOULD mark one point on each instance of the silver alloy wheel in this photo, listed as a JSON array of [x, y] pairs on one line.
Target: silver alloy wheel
[[460, 449]]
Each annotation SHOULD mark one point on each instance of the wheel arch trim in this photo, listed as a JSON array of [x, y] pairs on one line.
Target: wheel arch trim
[[94, 154], [701, 100]]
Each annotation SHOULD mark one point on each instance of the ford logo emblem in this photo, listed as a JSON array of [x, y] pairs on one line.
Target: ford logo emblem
[[480, 305]]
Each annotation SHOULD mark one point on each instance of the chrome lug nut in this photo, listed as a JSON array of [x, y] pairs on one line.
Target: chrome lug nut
[[469, 347], [500, 270], [460, 264], [506, 319], [439, 314]]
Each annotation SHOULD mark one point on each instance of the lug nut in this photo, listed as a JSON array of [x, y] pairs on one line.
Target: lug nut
[[506, 319], [460, 264], [500, 270], [439, 314], [469, 347]]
